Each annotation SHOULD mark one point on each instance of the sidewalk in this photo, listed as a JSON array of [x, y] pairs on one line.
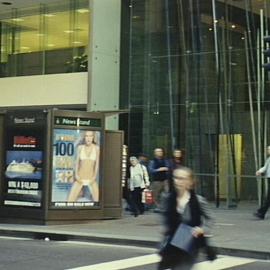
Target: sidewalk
[[236, 231]]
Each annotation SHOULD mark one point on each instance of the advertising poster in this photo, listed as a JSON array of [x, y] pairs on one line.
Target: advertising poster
[[75, 172], [24, 160], [23, 172]]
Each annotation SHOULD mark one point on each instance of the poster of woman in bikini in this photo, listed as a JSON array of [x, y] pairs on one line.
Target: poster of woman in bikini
[[76, 168]]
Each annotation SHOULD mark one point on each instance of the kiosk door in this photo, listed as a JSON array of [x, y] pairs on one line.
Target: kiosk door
[[113, 173]]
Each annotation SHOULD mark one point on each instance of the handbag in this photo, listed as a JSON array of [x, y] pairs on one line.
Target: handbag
[[183, 238]]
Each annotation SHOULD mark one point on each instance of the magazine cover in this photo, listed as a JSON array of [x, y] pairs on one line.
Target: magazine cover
[[76, 155]]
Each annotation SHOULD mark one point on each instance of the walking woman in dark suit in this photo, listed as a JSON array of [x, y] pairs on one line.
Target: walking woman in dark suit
[[183, 205]]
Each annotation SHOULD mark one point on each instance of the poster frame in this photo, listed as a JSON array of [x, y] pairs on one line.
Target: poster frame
[[20, 127], [56, 114]]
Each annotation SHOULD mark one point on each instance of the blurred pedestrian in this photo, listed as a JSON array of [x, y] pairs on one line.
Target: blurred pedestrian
[[266, 171], [184, 208], [177, 159], [159, 169], [143, 159], [139, 180], [175, 162]]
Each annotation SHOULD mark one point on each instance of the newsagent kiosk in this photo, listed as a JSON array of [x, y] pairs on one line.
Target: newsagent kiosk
[[59, 166]]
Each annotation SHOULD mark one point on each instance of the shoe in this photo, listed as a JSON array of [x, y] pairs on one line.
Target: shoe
[[258, 215], [211, 253]]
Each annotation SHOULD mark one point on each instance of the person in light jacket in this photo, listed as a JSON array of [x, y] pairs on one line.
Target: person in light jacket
[[138, 181], [266, 171]]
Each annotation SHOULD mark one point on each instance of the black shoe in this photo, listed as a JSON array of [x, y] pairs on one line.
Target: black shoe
[[211, 253], [158, 210], [258, 215]]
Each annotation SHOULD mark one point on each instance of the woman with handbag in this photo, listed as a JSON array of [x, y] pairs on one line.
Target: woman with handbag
[[138, 181], [184, 208]]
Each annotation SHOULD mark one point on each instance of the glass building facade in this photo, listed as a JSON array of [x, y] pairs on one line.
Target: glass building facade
[[195, 81], [44, 39]]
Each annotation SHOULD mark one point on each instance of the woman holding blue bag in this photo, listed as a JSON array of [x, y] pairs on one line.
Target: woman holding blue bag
[[187, 223]]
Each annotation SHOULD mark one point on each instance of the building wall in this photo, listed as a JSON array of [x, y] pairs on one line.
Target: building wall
[[37, 90], [104, 58]]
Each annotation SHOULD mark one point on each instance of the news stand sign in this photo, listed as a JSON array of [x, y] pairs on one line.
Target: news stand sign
[[76, 162], [24, 155]]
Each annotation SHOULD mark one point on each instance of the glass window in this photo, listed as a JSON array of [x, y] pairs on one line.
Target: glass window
[[44, 39], [196, 82]]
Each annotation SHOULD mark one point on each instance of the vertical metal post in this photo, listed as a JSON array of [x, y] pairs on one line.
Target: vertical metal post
[[262, 54], [168, 43], [43, 37], [186, 70], [252, 112], [130, 66], [148, 80], [259, 99], [217, 63], [219, 104], [266, 8]]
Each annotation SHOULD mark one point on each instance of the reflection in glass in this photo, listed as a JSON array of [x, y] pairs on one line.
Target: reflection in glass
[[195, 75], [44, 39]]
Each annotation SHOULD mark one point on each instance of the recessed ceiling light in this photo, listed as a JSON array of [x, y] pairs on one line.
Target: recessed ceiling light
[[233, 26], [51, 45], [68, 31], [49, 15], [82, 10], [77, 42], [25, 48], [17, 19], [210, 29]]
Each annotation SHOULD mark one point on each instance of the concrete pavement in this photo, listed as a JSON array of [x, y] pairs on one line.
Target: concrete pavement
[[236, 231]]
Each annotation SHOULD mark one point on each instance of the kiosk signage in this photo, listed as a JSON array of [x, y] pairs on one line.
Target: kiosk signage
[[76, 162], [24, 154]]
